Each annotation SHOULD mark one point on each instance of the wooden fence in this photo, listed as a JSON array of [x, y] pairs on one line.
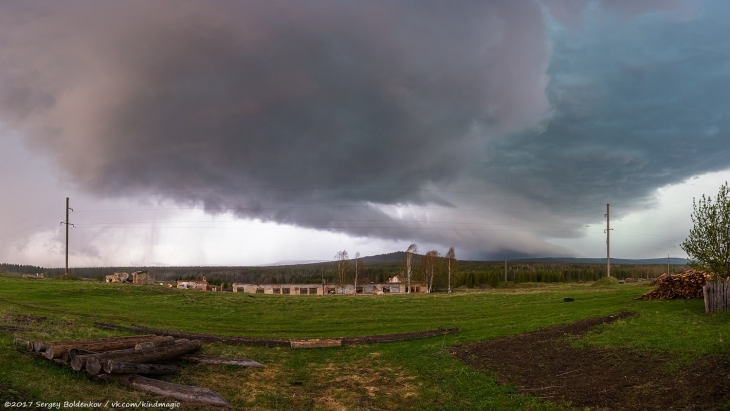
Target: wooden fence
[[717, 296]]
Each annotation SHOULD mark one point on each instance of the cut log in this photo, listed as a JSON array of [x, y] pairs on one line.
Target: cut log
[[28, 345], [56, 350], [96, 344], [78, 362], [186, 393], [40, 346], [316, 343], [150, 355], [117, 367], [203, 359], [74, 352], [167, 340]]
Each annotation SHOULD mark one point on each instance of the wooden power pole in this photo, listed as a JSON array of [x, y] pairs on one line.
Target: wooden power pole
[[608, 241], [67, 224]]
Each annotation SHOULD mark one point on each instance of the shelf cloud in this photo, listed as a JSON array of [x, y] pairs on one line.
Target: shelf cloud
[[332, 114]]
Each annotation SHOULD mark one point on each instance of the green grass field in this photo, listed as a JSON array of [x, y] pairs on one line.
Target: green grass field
[[418, 374]]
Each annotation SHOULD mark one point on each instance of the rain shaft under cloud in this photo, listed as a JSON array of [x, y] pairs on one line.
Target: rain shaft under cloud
[[335, 115]]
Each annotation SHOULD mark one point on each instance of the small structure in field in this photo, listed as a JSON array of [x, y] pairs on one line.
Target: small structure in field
[[36, 276], [200, 284], [121, 277], [137, 277], [142, 277]]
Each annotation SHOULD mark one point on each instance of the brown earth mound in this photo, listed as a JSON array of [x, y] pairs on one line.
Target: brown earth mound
[[545, 364]]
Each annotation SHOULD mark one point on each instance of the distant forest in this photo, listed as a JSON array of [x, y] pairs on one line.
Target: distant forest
[[378, 269]]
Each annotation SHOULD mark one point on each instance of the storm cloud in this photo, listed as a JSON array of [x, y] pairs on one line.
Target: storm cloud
[[340, 115]]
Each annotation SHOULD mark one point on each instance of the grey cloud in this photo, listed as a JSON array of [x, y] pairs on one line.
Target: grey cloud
[[319, 113], [180, 98], [632, 113]]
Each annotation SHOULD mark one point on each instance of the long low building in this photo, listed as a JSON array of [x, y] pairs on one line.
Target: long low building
[[330, 289]]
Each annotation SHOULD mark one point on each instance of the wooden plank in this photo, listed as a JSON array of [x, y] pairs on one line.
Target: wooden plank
[[316, 343], [203, 359], [185, 393]]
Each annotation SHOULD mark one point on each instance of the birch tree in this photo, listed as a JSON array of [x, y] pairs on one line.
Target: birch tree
[[342, 259], [430, 261], [413, 248], [450, 257], [357, 260]]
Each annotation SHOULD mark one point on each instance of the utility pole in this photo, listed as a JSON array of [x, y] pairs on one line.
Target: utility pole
[[67, 224], [667, 263], [608, 241], [505, 271]]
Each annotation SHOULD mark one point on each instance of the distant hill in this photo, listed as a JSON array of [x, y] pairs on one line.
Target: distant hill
[[400, 256], [395, 257], [292, 262], [639, 261]]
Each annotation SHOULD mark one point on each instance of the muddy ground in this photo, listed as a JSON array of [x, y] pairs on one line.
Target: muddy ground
[[545, 364]]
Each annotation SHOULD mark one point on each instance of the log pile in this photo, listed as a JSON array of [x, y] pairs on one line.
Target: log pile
[[121, 359], [685, 285]]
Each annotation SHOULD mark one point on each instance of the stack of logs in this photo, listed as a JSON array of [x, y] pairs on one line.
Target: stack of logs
[[121, 359], [687, 284]]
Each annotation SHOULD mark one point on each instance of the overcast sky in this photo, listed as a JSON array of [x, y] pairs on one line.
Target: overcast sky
[[244, 133]]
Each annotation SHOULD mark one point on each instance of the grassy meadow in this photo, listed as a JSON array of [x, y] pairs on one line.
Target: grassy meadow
[[418, 374]]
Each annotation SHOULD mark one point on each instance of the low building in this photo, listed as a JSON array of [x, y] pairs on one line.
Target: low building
[[142, 277], [295, 289], [330, 289], [137, 277], [200, 284], [121, 277]]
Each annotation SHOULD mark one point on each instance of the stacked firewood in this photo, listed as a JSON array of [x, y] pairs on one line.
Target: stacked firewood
[[122, 359], [687, 284]]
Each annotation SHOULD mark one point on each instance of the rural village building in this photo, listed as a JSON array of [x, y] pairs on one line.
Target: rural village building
[[201, 284], [137, 277], [393, 286]]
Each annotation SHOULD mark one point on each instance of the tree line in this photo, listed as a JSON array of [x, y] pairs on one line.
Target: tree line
[[434, 272]]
